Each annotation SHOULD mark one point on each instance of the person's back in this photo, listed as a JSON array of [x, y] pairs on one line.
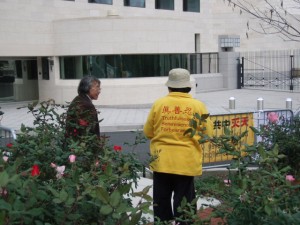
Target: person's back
[[176, 158]]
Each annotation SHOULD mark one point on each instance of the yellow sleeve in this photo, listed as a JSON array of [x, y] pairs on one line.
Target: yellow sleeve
[[148, 126]]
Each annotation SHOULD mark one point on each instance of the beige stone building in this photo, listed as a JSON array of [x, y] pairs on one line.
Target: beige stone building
[[48, 45]]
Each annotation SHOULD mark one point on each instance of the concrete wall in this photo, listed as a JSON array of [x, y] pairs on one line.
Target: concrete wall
[[63, 28], [208, 82], [228, 65], [41, 28]]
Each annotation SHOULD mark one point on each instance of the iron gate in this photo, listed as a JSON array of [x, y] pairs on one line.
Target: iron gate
[[272, 70]]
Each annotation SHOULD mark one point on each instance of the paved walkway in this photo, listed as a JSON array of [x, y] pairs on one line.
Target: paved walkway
[[122, 118]]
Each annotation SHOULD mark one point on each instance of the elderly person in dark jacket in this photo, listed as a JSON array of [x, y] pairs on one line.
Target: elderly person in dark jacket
[[82, 116]]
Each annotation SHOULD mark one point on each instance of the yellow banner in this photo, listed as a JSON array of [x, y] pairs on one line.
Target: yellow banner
[[237, 123]]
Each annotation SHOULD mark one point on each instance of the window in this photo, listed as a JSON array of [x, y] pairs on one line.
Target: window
[[230, 42], [164, 4], [204, 63], [120, 66], [45, 68], [32, 73], [191, 5], [135, 3], [19, 69], [197, 42], [108, 2]]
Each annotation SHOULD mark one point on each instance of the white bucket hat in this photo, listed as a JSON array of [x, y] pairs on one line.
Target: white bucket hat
[[179, 78]]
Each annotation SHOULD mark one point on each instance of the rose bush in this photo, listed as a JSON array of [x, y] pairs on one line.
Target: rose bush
[[45, 179], [285, 133], [267, 194]]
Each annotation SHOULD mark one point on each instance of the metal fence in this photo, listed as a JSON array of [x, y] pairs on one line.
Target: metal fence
[[7, 135], [239, 123], [273, 70]]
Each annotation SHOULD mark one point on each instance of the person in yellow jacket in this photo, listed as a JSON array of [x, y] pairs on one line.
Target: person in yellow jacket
[[176, 158]]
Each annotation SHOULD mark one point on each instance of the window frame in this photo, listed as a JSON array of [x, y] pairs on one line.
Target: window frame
[[186, 3], [135, 3], [158, 5]]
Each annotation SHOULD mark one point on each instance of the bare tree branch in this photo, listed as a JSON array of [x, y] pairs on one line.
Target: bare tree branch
[[274, 17]]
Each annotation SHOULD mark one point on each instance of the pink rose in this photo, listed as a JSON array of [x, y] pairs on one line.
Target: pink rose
[[72, 158], [60, 171], [290, 178], [227, 182], [273, 117], [5, 158], [53, 165]]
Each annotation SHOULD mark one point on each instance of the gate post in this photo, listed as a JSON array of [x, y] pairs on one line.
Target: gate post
[[240, 72], [291, 74]]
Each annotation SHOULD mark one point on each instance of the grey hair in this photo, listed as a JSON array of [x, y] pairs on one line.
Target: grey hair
[[86, 84]]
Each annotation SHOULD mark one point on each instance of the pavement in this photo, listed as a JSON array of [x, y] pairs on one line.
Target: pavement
[[124, 118]]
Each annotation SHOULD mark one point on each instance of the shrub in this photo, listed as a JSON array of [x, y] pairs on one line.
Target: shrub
[[261, 196], [285, 133], [46, 180]]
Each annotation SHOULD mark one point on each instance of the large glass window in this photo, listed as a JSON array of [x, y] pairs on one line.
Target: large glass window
[[32, 73], [120, 66], [135, 3], [191, 5], [19, 69], [164, 4], [45, 68], [109, 2], [7, 68], [204, 63]]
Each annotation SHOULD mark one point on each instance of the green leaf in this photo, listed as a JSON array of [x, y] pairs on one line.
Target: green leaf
[[74, 216], [57, 201], [35, 211], [190, 130], [204, 116], [124, 188], [146, 189], [4, 178], [115, 199], [254, 130], [227, 131], [102, 194], [4, 205], [197, 116], [268, 209], [121, 208], [63, 195], [70, 201], [193, 124], [135, 218], [116, 216], [53, 191], [106, 210]]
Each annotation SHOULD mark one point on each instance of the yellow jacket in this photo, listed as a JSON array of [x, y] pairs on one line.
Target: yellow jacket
[[171, 151]]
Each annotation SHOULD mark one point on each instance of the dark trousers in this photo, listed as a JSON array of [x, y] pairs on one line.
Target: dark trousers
[[164, 185]]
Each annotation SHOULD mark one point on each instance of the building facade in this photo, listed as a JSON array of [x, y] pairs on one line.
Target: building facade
[[48, 45]]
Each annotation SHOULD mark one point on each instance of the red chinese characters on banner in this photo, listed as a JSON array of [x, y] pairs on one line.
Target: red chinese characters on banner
[[235, 122]]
